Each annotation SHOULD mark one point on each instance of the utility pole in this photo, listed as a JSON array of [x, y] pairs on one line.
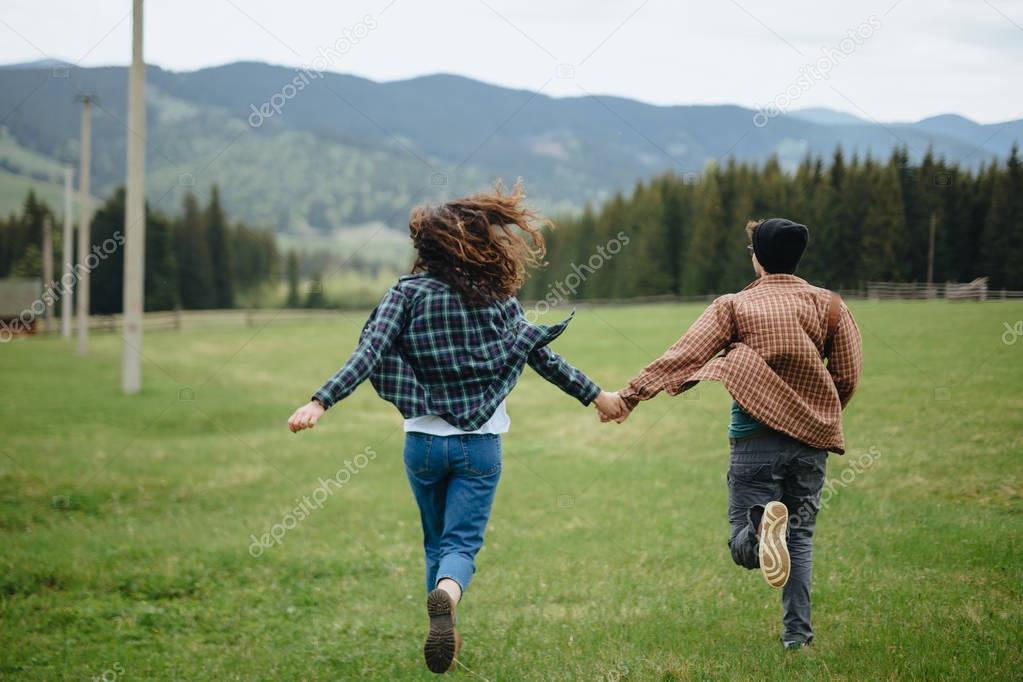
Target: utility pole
[[84, 209], [48, 271], [67, 254], [930, 259], [135, 214]]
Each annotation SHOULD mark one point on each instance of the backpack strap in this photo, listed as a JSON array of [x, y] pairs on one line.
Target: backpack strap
[[834, 313]]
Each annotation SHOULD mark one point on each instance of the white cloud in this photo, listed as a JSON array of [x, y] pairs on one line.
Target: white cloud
[[939, 56]]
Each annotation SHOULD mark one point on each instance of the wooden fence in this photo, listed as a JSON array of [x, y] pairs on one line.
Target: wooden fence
[[196, 319], [977, 290]]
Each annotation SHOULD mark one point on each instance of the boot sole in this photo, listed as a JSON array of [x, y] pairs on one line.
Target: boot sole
[[439, 649], [774, 550]]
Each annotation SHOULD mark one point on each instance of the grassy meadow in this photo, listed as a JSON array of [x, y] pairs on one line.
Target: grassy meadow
[[126, 524]]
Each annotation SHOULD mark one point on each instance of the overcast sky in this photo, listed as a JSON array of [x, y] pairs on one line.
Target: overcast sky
[[910, 58]]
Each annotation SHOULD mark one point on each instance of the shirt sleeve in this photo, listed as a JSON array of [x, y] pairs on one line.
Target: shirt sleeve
[[384, 325], [846, 361], [556, 370], [708, 336]]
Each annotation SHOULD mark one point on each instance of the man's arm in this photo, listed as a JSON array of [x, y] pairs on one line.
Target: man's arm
[[383, 327], [707, 337], [846, 361], [556, 370]]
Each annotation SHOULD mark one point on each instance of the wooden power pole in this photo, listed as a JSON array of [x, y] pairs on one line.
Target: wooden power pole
[[67, 255], [48, 271], [135, 214], [84, 237], [930, 258]]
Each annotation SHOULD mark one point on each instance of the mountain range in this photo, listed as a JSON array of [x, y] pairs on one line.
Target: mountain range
[[312, 154]]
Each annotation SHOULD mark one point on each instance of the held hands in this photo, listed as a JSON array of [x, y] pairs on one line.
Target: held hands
[[611, 407], [306, 416]]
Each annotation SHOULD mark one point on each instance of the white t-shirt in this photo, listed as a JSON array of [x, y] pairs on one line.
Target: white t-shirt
[[499, 422]]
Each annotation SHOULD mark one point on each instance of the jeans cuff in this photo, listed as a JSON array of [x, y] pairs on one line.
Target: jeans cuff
[[444, 576], [456, 567]]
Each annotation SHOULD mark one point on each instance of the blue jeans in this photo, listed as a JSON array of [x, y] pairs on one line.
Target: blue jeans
[[771, 466], [454, 479]]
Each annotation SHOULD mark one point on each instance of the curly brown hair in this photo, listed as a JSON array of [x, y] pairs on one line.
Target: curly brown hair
[[481, 245], [751, 227]]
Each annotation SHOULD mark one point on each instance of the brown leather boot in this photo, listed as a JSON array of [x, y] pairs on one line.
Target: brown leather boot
[[442, 641]]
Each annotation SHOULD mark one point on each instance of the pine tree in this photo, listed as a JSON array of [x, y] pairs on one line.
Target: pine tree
[[648, 238], [294, 300], [219, 236], [29, 265], [916, 217], [1003, 230], [106, 279], [675, 199], [738, 198], [815, 197], [981, 191], [701, 266], [161, 269], [958, 237], [884, 226], [23, 232], [602, 282], [192, 254], [315, 298], [852, 197]]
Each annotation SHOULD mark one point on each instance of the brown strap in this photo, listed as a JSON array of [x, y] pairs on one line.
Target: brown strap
[[834, 312]]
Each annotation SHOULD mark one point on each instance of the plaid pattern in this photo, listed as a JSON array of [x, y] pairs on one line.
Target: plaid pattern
[[772, 334], [429, 354]]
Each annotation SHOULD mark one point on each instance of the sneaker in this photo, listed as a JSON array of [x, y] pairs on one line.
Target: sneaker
[[773, 547], [442, 642], [796, 646]]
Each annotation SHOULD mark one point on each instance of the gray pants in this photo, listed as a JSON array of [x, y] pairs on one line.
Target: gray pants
[[770, 466]]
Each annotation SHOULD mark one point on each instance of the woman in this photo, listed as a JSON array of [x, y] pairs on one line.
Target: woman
[[446, 345]]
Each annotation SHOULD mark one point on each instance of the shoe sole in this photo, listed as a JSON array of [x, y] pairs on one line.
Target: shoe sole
[[774, 550], [439, 649]]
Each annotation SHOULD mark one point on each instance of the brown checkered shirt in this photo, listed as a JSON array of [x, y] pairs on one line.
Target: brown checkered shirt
[[765, 344]]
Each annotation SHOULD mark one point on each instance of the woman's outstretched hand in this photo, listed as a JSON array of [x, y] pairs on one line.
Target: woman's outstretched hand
[[306, 416], [611, 407]]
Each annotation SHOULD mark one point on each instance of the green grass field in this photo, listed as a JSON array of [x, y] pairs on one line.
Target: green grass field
[[126, 522]]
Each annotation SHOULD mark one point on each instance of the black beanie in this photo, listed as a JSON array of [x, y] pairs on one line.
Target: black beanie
[[779, 244]]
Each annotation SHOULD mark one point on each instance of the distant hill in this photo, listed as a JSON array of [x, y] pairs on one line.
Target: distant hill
[[345, 151], [38, 64], [827, 117]]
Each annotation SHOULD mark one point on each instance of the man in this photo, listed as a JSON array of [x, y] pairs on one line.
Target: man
[[768, 345]]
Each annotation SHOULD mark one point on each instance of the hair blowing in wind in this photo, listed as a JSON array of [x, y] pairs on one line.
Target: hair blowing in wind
[[481, 245]]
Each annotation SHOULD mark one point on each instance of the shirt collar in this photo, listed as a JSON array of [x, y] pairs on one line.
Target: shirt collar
[[782, 279]]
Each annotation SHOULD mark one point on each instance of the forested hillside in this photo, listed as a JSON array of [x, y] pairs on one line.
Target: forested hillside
[[199, 259], [346, 151], [868, 220]]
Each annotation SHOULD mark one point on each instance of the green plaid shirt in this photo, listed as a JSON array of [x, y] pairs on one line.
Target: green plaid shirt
[[428, 353]]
